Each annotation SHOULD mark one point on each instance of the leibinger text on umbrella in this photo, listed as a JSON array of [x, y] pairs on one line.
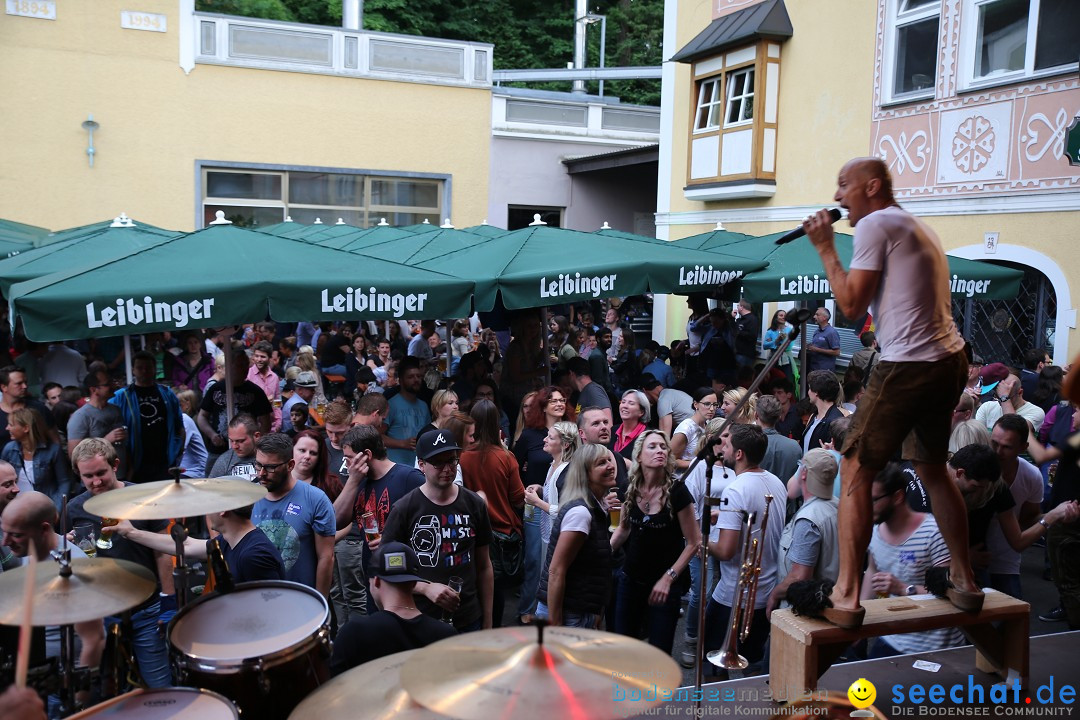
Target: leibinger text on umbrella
[[356, 300], [816, 285], [576, 285], [129, 311], [702, 275]]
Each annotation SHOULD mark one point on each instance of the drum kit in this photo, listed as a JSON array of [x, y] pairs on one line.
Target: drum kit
[[262, 649]]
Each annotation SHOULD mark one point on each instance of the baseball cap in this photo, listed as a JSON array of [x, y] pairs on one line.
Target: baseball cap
[[821, 469], [306, 379], [435, 442], [394, 562], [990, 376]]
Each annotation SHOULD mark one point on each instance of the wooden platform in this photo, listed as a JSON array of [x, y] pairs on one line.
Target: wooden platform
[[804, 648]]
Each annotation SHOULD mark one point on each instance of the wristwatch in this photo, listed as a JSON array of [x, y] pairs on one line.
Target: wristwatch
[[672, 574], [909, 590], [1042, 521]]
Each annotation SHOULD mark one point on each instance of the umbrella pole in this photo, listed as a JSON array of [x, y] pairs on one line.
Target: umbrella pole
[[803, 360], [127, 358], [228, 378], [547, 348], [449, 325]]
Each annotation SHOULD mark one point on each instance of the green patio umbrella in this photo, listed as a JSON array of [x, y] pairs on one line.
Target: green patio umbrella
[[485, 230], [540, 265], [18, 233], [59, 236], [224, 275], [795, 272], [79, 250]]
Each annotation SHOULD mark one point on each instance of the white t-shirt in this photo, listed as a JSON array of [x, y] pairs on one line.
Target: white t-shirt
[[692, 431], [747, 493], [695, 483], [576, 519], [990, 412], [912, 308], [1027, 487]]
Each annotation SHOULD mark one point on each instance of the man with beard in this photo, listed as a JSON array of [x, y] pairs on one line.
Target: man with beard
[[297, 517], [903, 546], [408, 414]]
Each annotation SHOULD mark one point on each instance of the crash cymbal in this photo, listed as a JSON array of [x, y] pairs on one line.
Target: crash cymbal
[[372, 691], [165, 499], [507, 673], [97, 587]]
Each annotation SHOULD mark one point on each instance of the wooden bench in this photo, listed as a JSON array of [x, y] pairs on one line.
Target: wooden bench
[[802, 648]]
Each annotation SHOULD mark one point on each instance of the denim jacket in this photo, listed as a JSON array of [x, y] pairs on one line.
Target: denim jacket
[[52, 475]]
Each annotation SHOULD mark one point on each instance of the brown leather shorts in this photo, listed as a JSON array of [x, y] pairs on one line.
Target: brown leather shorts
[[908, 405]]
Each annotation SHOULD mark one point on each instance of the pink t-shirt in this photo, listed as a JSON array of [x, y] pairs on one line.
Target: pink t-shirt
[[912, 309]]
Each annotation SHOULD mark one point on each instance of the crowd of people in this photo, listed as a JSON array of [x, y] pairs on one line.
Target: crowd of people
[[422, 503]]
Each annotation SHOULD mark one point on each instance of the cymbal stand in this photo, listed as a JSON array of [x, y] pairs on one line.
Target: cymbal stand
[[181, 572], [62, 555], [705, 454]]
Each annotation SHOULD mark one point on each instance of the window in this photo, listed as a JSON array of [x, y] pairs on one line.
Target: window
[[522, 216], [708, 107], [740, 97], [913, 51], [257, 198], [1014, 39]]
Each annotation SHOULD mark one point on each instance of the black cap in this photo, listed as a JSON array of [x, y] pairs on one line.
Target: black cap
[[435, 442], [394, 562]]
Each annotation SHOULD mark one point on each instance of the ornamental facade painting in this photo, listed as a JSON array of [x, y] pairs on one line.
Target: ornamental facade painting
[[999, 138]]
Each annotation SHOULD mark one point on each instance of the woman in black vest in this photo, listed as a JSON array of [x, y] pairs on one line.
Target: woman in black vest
[[574, 590], [661, 536]]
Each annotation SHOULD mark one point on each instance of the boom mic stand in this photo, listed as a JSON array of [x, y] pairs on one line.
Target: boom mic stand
[[796, 318]]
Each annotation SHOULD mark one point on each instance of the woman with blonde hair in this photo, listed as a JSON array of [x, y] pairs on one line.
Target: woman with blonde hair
[[575, 586], [39, 464], [661, 535], [731, 399], [305, 360], [444, 403], [969, 432]]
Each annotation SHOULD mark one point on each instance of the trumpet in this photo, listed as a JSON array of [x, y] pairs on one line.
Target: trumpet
[[742, 603]]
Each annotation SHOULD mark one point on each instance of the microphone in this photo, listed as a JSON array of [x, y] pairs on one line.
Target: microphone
[[798, 232]]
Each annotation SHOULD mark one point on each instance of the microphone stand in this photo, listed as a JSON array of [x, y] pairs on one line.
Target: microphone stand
[[797, 319]]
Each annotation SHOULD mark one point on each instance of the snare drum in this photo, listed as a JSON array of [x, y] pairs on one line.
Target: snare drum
[[163, 704], [265, 645]]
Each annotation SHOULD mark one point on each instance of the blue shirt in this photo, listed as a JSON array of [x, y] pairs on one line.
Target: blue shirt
[[661, 371], [404, 420], [292, 523], [828, 339]]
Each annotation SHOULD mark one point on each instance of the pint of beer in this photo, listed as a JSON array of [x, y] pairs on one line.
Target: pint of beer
[[614, 516], [371, 526]]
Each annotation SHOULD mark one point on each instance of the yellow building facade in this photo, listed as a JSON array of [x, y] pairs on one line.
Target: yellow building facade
[[198, 112], [968, 101]]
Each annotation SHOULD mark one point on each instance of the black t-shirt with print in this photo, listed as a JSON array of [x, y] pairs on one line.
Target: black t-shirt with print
[[247, 398], [445, 539], [155, 434]]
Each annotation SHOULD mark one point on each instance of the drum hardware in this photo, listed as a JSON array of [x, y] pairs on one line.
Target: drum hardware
[[796, 318], [265, 645]]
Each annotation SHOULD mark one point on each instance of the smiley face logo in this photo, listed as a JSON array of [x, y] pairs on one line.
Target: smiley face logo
[[862, 693]]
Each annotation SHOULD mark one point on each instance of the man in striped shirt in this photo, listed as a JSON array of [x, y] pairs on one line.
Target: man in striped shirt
[[904, 545]]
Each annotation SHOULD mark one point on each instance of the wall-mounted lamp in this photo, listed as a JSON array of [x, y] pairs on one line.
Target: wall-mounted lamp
[[90, 125]]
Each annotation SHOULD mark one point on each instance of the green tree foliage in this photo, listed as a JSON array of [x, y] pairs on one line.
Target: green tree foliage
[[525, 33]]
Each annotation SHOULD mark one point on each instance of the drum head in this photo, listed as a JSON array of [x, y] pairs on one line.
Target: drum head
[[164, 704], [252, 621]]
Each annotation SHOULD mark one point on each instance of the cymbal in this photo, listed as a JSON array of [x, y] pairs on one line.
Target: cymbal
[[165, 499], [372, 690], [97, 587], [574, 674]]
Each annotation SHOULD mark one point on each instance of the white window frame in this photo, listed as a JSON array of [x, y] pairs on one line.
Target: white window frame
[[369, 210], [714, 108], [968, 48], [730, 98], [895, 19]]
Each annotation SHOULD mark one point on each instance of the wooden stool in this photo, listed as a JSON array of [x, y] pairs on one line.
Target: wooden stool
[[803, 648]]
